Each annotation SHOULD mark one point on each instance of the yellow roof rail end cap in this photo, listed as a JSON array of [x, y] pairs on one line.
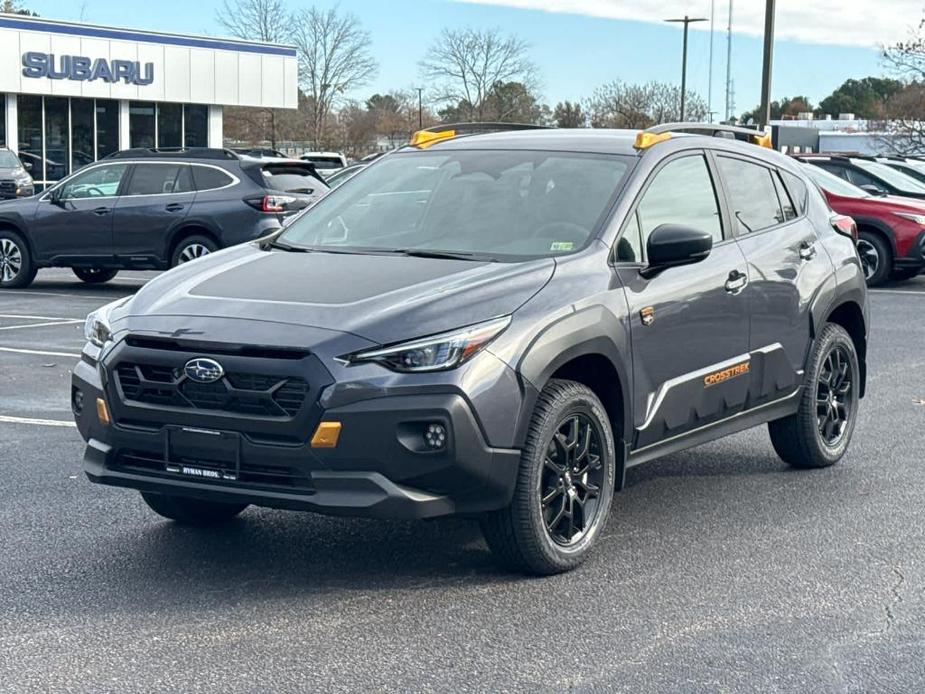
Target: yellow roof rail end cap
[[645, 140]]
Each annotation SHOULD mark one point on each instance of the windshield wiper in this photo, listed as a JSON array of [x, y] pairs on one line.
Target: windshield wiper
[[276, 243], [425, 253]]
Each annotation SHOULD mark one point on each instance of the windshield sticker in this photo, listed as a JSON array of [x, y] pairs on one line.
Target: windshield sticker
[[561, 246]]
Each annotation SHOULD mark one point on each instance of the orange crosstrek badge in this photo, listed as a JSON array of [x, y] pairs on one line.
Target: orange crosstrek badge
[[725, 374]]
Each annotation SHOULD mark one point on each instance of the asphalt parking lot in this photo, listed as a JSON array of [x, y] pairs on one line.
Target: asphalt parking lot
[[721, 569]]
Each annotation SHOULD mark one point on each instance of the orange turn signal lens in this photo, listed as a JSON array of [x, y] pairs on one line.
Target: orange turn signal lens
[[102, 411], [326, 435]]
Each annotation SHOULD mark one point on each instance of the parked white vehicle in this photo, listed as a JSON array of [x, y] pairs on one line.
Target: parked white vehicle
[[326, 163]]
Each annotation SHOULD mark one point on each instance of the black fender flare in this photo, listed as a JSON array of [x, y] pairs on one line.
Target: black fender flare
[[880, 226], [591, 331], [181, 227]]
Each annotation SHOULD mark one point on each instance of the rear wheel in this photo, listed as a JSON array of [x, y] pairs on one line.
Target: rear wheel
[[191, 248], [876, 257], [16, 266], [819, 433], [189, 511], [94, 275], [564, 486]]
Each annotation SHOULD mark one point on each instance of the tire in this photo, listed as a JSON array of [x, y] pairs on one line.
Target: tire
[[189, 511], [876, 257], [17, 269], [526, 535], [800, 439], [94, 275], [905, 274], [191, 248]]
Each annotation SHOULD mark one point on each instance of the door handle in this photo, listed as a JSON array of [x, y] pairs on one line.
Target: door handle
[[736, 282], [174, 207], [100, 211], [807, 250]]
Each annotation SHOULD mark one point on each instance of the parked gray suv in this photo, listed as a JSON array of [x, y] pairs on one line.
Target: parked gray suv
[[496, 325], [147, 209]]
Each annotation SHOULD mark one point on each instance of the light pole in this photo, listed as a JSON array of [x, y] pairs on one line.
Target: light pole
[[764, 115], [687, 21]]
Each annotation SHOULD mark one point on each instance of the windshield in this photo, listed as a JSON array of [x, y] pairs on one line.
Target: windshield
[[889, 175], [833, 184], [486, 203], [8, 160]]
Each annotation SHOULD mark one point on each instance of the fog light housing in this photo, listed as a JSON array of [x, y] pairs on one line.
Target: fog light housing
[[435, 436], [77, 400]]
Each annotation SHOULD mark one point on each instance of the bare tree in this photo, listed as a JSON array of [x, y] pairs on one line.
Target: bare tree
[[334, 58], [634, 106], [468, 63], [569, 115], [256, 20], [904, 111]]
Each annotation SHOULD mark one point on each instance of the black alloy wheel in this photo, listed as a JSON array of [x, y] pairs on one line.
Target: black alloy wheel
[[833, 396]]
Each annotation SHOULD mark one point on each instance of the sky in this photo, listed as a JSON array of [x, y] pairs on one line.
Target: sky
[[578, 45]]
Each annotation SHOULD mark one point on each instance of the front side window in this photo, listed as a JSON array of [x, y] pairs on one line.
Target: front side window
[[499, 204], [100, 181], [681, 193], [752, 194], [159, 179]]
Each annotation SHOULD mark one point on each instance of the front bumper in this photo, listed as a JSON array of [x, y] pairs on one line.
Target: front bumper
[[379, 468], [914, 258]]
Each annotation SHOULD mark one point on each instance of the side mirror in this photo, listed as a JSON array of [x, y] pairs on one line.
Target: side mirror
[[27, 165], [872, 189], [673, 245], [54, 197]]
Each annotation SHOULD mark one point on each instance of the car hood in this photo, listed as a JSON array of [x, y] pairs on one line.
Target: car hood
[[8, 171], [381, 298]]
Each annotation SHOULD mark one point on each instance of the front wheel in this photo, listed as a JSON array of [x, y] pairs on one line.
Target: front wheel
[[191, 248], [189, 511], [17, 269], [564, 485], [819, 433], [94, 275]]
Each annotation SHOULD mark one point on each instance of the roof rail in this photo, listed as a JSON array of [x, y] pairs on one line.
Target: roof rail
[[659, 133], [174, 153], [446, 131]]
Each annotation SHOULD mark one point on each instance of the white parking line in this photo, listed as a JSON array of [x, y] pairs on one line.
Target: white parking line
[[72, 321], [17, 315], [17, 350], [32, 420], [895, 291]]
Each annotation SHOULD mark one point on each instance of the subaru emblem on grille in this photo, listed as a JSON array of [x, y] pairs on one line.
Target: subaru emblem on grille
[[203, 370]]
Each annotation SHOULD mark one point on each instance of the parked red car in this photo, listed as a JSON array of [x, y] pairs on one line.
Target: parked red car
[[891, 229]]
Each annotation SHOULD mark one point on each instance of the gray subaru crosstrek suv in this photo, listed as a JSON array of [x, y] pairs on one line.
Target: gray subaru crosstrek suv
[[494, 325]]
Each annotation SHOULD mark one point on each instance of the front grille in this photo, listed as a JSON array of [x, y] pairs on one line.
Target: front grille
[[7, 188], [274, 476], [240, 393]]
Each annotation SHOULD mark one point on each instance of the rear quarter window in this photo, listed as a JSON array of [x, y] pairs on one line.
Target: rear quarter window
[[797, 189], [210, 178]]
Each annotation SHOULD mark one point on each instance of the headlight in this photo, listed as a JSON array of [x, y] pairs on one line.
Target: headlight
[[96, 329], [436, 353], [917, 218]]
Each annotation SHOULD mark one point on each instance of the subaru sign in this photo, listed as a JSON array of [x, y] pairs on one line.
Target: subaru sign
[[82, 69]]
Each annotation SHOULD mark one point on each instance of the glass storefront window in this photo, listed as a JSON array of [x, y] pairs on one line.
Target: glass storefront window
[[142, 124], [29, 134], [57, 138], [107, 127], [169, 125], [81, 133], [196, 123], [2, 120]]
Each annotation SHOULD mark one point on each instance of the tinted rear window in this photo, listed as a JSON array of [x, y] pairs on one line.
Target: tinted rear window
[[325, 162], [289, 179], [209, 178]]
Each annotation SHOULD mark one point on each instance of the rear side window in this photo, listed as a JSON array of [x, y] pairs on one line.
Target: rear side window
[[210, 178], [797, 190], [752, 194], [681, 193], [159, 179]]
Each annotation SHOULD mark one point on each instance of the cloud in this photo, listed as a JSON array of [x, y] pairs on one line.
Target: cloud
[[869, 23]]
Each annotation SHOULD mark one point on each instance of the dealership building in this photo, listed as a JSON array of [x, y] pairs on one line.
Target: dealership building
[[72, 93]]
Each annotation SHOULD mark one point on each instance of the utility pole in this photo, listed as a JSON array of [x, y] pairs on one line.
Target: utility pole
[[710, 77], [686, 21], [764, 115], [729, 104]]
